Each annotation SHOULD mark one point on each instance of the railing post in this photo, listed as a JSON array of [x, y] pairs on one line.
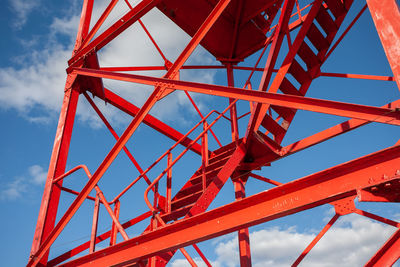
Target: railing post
[[94, 224], [204, 155], [155, 201], [169, 182], [114, 230]]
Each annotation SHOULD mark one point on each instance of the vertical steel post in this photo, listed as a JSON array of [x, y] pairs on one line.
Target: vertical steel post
[[243, 234], [114, 230], [94, 225], [168, 194], [204, 155], [386, 16], [51, 194], [233, 111]]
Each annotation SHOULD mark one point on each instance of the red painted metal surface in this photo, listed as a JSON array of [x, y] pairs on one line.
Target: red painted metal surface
[[294, 40]]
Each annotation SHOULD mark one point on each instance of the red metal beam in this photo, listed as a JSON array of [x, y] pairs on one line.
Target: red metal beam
[[356, 76], [84, 23], [95, 221], [386, 16], [369, 113], [377, 218], [321, 188], [267, 180], [233, 109], [202, 255], [73, 192], [243, 234]]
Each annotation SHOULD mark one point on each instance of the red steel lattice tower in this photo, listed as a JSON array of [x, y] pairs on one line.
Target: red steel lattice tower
[[292, 39]]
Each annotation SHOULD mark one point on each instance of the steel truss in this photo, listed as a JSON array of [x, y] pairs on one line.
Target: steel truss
[[231, 31]]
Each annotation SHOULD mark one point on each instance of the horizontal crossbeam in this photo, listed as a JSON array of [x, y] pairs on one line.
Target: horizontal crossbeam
[[369, 113]]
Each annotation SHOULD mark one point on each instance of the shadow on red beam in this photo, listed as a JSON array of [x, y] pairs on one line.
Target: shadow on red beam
[[317, 189], [76, 193]]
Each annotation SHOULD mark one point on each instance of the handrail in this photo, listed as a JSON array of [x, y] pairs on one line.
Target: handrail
[[84, 167], [181, 154], [163, 155], [100, 194]]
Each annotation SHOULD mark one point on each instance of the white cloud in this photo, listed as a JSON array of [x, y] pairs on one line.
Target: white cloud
[[13, 190], [22, 9], [37, 85], [350, 242], [35, 89], [197, 260], [37, 174]]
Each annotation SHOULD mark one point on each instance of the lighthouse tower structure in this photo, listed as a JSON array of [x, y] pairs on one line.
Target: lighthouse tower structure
[[278, 104]]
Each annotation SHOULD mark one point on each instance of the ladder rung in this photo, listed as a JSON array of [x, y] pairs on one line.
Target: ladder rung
[[308, 56], [316, 38], [298, 72], [336, 7], [288, 88], [286, 113], [326, 21], [275, 128]]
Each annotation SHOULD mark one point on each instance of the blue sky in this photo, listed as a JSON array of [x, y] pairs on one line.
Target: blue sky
[[39, 37]]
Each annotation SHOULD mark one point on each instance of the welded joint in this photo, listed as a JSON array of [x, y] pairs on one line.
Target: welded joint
[[344, 206]]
